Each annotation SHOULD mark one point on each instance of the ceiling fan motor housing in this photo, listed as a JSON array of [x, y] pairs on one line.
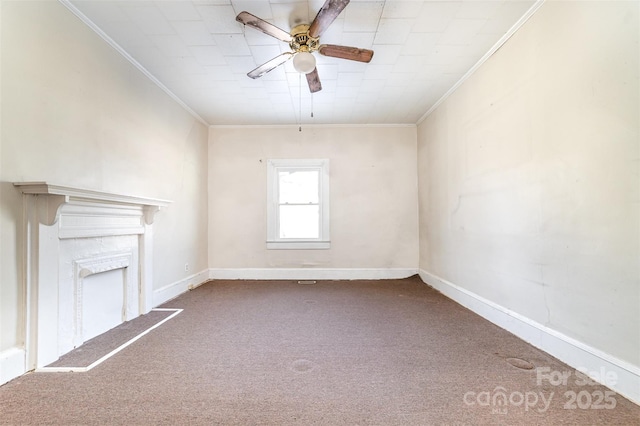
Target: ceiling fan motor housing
[[302, 41]]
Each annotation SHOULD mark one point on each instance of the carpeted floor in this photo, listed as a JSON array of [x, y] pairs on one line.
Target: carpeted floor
[[93, 350], [391, 352]]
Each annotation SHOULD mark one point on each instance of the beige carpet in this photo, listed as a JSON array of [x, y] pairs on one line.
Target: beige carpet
[[391, 352], [98, 347]]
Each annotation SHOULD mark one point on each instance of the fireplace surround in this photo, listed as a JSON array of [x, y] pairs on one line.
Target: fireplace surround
[[87, 267]]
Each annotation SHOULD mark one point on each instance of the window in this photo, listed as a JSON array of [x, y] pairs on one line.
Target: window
[[298, 204]]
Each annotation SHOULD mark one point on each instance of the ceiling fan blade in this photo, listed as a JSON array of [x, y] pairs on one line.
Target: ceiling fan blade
[[346, 52], [326, 15], [261, 25], [270, 65], [314, 81]]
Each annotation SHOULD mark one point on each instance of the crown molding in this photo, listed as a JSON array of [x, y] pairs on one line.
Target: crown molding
[[532, 10], [121, 51], [308, 126]]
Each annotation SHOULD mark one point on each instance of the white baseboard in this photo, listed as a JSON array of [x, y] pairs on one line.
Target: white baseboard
[[12, 364], [175, 289], [310, 273], [567, 349]]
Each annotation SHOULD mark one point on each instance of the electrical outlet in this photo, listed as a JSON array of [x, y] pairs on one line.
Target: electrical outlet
[[186, 267]]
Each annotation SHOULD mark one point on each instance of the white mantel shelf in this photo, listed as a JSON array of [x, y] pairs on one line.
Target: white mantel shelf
[[45, 188], [58, 195]]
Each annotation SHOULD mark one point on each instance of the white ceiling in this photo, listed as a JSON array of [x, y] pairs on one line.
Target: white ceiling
[[200, 54]]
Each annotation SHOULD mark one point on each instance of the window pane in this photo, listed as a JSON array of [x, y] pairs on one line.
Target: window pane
[[298, 187], [300, 221]]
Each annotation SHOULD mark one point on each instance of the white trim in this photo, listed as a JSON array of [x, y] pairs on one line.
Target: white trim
[[83, 200], [298, 245], [310, 273], [321, 166], [173, 290], [46, 188], [55, 215], [567, 349], [12, 364], [112, 353], [296, 127], [528, 14], [129, 58]]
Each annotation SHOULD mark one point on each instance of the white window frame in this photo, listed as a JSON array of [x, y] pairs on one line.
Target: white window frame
[[274, 242]]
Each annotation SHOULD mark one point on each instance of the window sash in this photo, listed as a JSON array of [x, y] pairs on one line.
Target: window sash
[[275, 208], [306, 227]]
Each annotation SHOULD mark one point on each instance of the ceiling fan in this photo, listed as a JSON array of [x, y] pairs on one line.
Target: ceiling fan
[[304, 40]]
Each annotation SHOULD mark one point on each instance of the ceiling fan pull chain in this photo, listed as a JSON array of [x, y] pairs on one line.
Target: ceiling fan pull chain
[[300, 102]]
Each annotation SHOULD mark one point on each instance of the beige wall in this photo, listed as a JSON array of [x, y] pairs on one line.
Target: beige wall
[[374, 222], [529, 177], [75, 112]]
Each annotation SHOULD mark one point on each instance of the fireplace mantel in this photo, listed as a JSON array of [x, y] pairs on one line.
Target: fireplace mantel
[[58, 195], [80, 245]]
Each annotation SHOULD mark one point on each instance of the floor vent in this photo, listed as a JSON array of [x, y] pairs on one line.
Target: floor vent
[[307, 282]]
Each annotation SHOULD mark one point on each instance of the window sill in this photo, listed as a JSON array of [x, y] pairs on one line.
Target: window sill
[[298, 245]]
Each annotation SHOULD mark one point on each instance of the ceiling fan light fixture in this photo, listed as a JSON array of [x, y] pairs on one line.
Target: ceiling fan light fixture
[[304, 62]]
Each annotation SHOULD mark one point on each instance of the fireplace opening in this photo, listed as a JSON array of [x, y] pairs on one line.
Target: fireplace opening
[[103, 303]]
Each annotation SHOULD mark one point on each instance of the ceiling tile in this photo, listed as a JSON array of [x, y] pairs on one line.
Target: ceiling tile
[[261, 9], [178, 10], [232, 44], [328, 72], [276, 86], [407, 64], [401, 9], [220, 73], [393, 31], [350, 66], [240, 64], [211, 2], [420, 43], [435, 16], [193, 33], [148, 18], [478, 9], [208, 55], [170, 44], [201, 81], [371, 86], [386, 54], [461, 31], [361, 40], [200, 52], [188, 65], [350, 79], [363, 17], [220, 19]]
